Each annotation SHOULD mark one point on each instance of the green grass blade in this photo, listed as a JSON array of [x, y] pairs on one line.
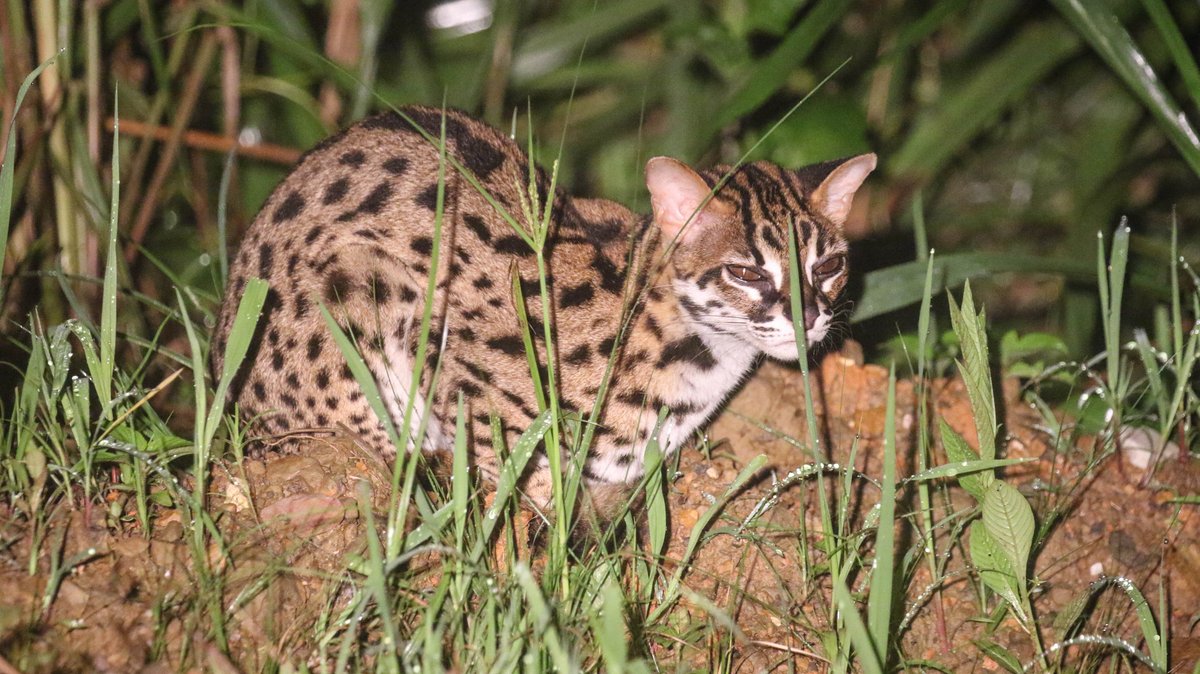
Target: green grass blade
[[108, 294], [10, 159], [1096, 21], [879, 602], [241, 334], [868, 656], [1160, 14]]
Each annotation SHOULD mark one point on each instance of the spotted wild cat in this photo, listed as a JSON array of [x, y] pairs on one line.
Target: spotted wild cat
[[352, 227]]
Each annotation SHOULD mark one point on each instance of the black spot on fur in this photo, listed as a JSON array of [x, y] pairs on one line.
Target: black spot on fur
[[336, 191], [603, 232], [688, 349], [476, 225], [509, 344], [467, 334], [482, 283], [396, 165], [513, 245], [407, 294], [292, 380], [380, 290], [337, 286], [264, 261], [612, 279], [653, 327], [260, 392], [477, 372], [314, 347], [578, 355], [480, 156], [312, 234], [469, 388], [605, 347], [290, 208], [277, 361], [422, 245], [428, 197], [322, 378], [580, 294], [352, 158], [377, 199]]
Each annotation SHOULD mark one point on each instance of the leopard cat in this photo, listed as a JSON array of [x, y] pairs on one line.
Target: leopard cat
[[686, 300]]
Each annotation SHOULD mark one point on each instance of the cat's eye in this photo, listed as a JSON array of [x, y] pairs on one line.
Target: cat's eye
[[830, 267], [746, 274]]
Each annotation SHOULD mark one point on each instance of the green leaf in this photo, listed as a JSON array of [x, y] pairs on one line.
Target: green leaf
[[898, 286], [1000, 655], [975, 370], [1009, 521], [958, 452], [994, 567]]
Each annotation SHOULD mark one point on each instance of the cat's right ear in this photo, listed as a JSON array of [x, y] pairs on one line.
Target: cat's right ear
[[679, 197]]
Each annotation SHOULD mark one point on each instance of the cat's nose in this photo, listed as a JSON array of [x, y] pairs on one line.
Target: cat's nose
[[811, 313]]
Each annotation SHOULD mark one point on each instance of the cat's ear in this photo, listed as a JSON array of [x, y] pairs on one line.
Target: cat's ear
[[835, 194], [679, 195]]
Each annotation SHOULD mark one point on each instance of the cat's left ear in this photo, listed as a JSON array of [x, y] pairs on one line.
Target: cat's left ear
[[835, 195]]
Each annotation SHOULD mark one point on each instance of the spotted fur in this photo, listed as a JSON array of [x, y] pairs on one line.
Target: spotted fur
[[703, 278]]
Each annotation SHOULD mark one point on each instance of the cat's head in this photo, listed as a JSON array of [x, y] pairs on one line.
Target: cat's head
[[729, 249]]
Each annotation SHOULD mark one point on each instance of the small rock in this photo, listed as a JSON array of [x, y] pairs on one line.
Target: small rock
[[1139, 444]]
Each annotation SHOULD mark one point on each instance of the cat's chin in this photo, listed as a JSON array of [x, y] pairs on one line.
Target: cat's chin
[[786, 351]]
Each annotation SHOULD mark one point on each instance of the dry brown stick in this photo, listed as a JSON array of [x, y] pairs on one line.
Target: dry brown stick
[[211, 142], [183, 115]]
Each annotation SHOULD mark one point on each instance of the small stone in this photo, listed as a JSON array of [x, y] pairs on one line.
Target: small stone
[[712, 472], [1138, 446]]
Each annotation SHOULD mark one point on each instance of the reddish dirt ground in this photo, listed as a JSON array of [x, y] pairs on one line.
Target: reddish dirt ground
[[120, 609]]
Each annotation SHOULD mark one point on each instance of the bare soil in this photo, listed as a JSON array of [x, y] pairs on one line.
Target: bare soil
[[295, 521]]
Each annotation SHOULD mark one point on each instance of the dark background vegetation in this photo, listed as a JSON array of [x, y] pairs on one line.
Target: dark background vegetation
[[1013, 129]]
